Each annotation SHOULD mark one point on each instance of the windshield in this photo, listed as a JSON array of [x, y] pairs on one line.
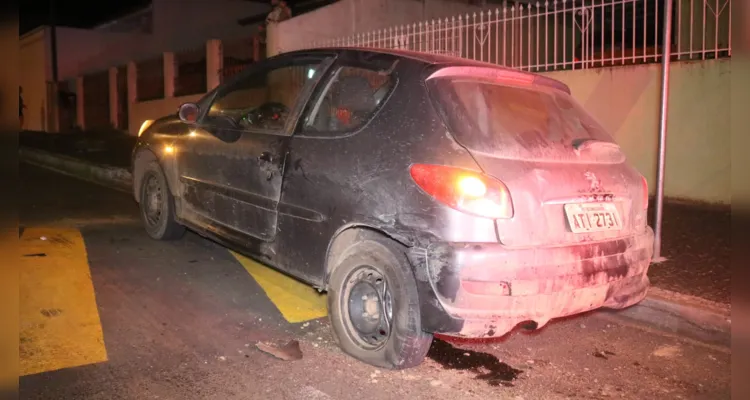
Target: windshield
[[526, 122]]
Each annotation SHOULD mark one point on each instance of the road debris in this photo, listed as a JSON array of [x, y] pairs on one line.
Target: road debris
[[603, 354], [288, 352]]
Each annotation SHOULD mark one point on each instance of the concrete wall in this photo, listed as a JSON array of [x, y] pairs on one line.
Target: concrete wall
[[82, 51], [34, 74], [180, 25], [177, 25], [350, 17], [625, 100], [141, 111]]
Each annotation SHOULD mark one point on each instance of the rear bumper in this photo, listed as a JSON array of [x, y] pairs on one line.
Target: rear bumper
[[484, 290]]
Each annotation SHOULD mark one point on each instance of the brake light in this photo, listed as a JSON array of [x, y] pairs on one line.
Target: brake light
[[645, 192], [466, 191]]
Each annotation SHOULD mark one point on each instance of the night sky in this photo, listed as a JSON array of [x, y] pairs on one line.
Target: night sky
[[74, 13]]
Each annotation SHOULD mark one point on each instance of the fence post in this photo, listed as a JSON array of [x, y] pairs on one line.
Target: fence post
[[169, 74], [214, 64], [80, 120], [113, 97]]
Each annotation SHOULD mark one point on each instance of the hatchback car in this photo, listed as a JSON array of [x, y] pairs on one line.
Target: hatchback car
[[426, 194]]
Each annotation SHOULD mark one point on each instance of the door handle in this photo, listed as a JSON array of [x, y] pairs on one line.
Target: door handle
[[266, 157]]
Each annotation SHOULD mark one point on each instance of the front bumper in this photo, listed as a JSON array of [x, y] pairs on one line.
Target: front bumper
[[485, 290]]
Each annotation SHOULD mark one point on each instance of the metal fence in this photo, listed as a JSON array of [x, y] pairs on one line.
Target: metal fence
[[190, 71], [96, 100], [150, 79], [239, 53], [564, 34]]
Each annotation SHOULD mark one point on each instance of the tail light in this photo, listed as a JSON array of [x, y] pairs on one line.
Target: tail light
[[645, 192], [466, 191]]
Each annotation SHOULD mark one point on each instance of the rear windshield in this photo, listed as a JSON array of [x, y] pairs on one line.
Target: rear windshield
[[527, 122]]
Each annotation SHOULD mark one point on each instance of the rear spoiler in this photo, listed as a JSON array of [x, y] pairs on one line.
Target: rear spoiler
[[501, 75]]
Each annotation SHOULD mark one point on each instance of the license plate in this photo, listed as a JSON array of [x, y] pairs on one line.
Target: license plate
[[593, 217]]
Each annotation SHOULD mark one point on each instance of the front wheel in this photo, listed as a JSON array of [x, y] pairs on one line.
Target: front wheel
[[373, 305], [157, 205]]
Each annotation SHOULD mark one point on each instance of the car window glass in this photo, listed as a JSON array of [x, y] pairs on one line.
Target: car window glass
[[350, 100], [261, 101]]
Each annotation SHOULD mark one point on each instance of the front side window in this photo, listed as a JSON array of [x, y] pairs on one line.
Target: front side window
[[351, 98], [263, 100]]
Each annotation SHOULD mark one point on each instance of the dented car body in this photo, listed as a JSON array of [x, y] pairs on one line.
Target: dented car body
[[510, 203]]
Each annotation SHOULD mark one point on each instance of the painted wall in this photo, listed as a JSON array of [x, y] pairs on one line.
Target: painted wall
[[626, 101], [349, 17], [180, 25], [177, 25], [82, 51], [34, 73]]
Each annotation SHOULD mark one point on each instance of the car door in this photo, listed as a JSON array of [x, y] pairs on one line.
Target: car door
[[323, 185], [233, 166]]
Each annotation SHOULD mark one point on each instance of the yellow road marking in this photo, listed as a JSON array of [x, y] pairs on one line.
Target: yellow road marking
[[59, 321], [296, 301]]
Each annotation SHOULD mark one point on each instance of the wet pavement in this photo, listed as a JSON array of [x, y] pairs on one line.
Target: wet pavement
[[181, 320]]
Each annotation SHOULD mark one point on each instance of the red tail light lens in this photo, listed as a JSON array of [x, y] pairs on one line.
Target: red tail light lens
[[645, 192], [466, 191]]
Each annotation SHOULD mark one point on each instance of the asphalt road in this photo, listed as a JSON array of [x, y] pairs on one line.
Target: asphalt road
[[107, 313]]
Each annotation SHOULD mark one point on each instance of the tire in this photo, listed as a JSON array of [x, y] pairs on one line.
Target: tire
[[405, 345], [158, 217]]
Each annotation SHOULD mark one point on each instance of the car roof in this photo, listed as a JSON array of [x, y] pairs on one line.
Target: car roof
[[434, 59]]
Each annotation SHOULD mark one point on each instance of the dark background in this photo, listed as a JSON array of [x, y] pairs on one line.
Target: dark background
[[74, 13]]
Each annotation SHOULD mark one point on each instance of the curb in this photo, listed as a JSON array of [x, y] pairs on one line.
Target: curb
[[665, 310], [104, 175]]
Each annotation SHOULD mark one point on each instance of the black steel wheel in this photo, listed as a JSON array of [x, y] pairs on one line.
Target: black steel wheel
[[369, 305], [373, 304], [157, 205]]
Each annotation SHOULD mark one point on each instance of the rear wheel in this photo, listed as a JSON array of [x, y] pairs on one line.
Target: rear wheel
[[373, 305], [157, 205]]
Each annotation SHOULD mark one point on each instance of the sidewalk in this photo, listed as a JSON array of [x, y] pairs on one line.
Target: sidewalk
[[696, 241], [696, 238], [112, 148]]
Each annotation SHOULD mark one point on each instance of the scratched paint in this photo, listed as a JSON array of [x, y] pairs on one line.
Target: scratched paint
[[59, 320], [296, 301]]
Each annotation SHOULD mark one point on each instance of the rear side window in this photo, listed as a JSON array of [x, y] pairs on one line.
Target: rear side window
[[350, 100]]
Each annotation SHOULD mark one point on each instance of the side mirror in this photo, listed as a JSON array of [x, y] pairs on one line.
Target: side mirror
[[189, 113]]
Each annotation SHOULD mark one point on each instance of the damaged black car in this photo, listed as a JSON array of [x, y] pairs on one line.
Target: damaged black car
[[426, 194]]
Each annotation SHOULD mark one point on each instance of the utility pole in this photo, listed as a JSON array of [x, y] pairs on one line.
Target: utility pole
[[665, 64]]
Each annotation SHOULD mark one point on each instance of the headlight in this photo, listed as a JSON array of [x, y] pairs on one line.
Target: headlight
[[145, 126]]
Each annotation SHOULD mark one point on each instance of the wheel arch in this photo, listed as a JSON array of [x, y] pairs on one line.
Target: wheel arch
[[141, 158]]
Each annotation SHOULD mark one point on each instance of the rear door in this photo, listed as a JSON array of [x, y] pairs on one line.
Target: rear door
[[569, 181], [233, 169]]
